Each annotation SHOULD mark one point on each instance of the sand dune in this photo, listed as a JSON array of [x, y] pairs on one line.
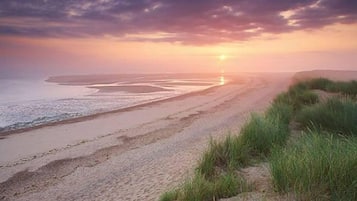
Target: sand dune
[[335, 75], [129, 155]]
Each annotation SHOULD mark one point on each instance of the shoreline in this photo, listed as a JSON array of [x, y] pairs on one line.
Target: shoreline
[[100, 114], [129, 154], [114, 78]]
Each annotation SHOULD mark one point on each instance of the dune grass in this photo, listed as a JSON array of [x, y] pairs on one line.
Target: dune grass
[[200, 188], [317, 167], [297, 96], [261, 134], [280, 111], [254, 143], [227, 155], [319, 83], [322, 164], [214, 176], [345, 88], [335, 115], [169, 196]]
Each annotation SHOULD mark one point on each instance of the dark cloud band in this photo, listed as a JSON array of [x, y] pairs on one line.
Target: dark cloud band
[[183, 21]]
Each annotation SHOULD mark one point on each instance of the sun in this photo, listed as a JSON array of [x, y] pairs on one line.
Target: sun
[[222, 57]]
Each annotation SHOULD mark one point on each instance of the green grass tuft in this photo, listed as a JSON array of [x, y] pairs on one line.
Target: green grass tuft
[[169, 196], [317, 167], [335, 115], [229, 184], [255, 142], [201, 189], [298, 96], [319, 83], [197, 189], [280, 111], [229, 154], [261, 134], [346, 88]]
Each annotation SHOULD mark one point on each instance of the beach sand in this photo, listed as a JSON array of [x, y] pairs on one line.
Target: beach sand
[[132, 154]]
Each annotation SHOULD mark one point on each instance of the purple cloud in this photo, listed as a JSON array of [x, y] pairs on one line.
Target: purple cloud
[[183, 21]]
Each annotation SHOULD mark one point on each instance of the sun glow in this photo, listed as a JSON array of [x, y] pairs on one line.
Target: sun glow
[[222, 57]]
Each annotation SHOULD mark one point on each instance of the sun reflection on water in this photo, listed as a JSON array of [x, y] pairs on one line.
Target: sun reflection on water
[[221, 80]]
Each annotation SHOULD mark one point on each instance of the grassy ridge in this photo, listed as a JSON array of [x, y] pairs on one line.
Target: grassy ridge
[[346, 88], [316, 167], [322, 164]]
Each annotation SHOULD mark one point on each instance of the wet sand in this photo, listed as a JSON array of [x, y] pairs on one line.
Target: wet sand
[[133, 154], [130, 89]]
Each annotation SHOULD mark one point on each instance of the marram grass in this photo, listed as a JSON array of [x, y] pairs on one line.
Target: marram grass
[[336, 115], [201, 189], [317, 167]]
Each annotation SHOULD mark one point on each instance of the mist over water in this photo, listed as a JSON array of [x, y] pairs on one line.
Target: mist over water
[[33, 102]]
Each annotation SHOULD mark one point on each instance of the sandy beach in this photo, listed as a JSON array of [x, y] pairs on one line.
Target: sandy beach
[[119, 100], [132, 154]]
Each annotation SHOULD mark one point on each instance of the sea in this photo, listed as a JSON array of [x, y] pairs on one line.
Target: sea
[[26, 103]]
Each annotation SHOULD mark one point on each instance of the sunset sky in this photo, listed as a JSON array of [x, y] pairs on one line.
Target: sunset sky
[[52, 37]]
